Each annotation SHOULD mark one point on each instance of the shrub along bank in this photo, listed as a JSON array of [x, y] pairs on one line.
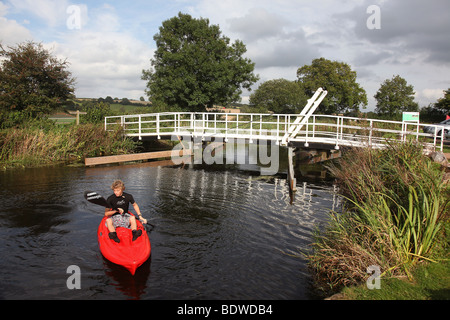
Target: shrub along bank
[[394, 215], [41, 143]]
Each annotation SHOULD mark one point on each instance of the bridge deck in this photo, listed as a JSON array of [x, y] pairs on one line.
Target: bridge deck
[[329, 130]]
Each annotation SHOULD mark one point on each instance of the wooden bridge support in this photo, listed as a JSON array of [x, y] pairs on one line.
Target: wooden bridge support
[[306, 156], [291, 175], [310, 156]]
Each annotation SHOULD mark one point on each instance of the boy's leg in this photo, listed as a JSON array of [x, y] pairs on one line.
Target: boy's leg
[[136, 233], [109, 225], [133, 224], [112, 231]]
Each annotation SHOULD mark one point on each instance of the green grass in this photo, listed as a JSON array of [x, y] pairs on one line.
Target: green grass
[[431, 282]]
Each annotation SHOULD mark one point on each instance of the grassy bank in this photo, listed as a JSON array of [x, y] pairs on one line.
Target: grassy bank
[[394, 217], [38, 144]]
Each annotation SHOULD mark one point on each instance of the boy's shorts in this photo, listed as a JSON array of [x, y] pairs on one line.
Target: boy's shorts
[[121, 220]]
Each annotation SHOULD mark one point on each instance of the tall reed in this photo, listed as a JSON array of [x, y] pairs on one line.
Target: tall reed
[[395, 208], [31, 146]]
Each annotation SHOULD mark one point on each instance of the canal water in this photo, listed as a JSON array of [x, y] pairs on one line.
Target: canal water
[[220, 232]]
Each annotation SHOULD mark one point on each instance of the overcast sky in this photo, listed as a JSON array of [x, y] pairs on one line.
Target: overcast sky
[[108, 43]]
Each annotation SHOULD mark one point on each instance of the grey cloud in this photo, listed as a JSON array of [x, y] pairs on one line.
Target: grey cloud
[[257, 24], [270, 43], [412, 26], [289, 51], [371, 58]]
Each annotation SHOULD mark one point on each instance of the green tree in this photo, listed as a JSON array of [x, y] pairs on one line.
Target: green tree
[[443, 104], [32, 83], [394, 97], [344, 93], [195, 66], [279, 96], [125, 101], [95, 112]]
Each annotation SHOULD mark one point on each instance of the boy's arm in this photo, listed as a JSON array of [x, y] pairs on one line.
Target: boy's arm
[[136, 208], [138, 211], [109, 212]]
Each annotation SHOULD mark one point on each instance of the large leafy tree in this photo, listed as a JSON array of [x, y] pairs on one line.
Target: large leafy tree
[[279, 96], [344, 93], [395, 96], [195, 66], [32, 82]]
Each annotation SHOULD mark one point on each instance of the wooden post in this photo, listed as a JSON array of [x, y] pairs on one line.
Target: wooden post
[[291, 176]]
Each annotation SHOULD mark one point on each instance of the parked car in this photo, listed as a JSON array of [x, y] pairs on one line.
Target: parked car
[[445, 124]]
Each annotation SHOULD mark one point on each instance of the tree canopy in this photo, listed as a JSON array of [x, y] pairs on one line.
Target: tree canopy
[[32, 82], [195, 66], [279, 96], [395, 96], [344, 93]]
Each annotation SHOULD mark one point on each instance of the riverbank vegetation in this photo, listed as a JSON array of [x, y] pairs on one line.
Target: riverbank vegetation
[[43, 142], [395, 217]]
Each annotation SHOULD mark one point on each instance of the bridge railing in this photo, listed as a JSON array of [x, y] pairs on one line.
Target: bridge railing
[[326, 129]]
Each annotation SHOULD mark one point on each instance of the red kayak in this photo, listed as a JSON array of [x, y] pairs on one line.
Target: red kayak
[[129, 254]]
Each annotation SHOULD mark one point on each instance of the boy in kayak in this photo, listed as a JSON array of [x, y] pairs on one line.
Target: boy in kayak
[[119, 216]]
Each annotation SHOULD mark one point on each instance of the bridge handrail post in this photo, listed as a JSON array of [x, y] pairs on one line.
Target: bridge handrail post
[[226, 128], [157, 124], [203, 122], [288, 118], [251, 128], [140, 127], [314, 126], [175, 127], [260, 123], [278, 127], [370, 133], [307, 129], [337, 131]]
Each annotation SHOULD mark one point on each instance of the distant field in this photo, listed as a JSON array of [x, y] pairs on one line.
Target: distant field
[[126, 109], [63, 118]]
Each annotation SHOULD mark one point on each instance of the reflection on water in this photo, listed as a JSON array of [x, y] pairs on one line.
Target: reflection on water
[[220, 233]]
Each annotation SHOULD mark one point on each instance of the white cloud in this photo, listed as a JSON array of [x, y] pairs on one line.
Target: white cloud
[[106, 63], [11, 31], [432, 94]]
